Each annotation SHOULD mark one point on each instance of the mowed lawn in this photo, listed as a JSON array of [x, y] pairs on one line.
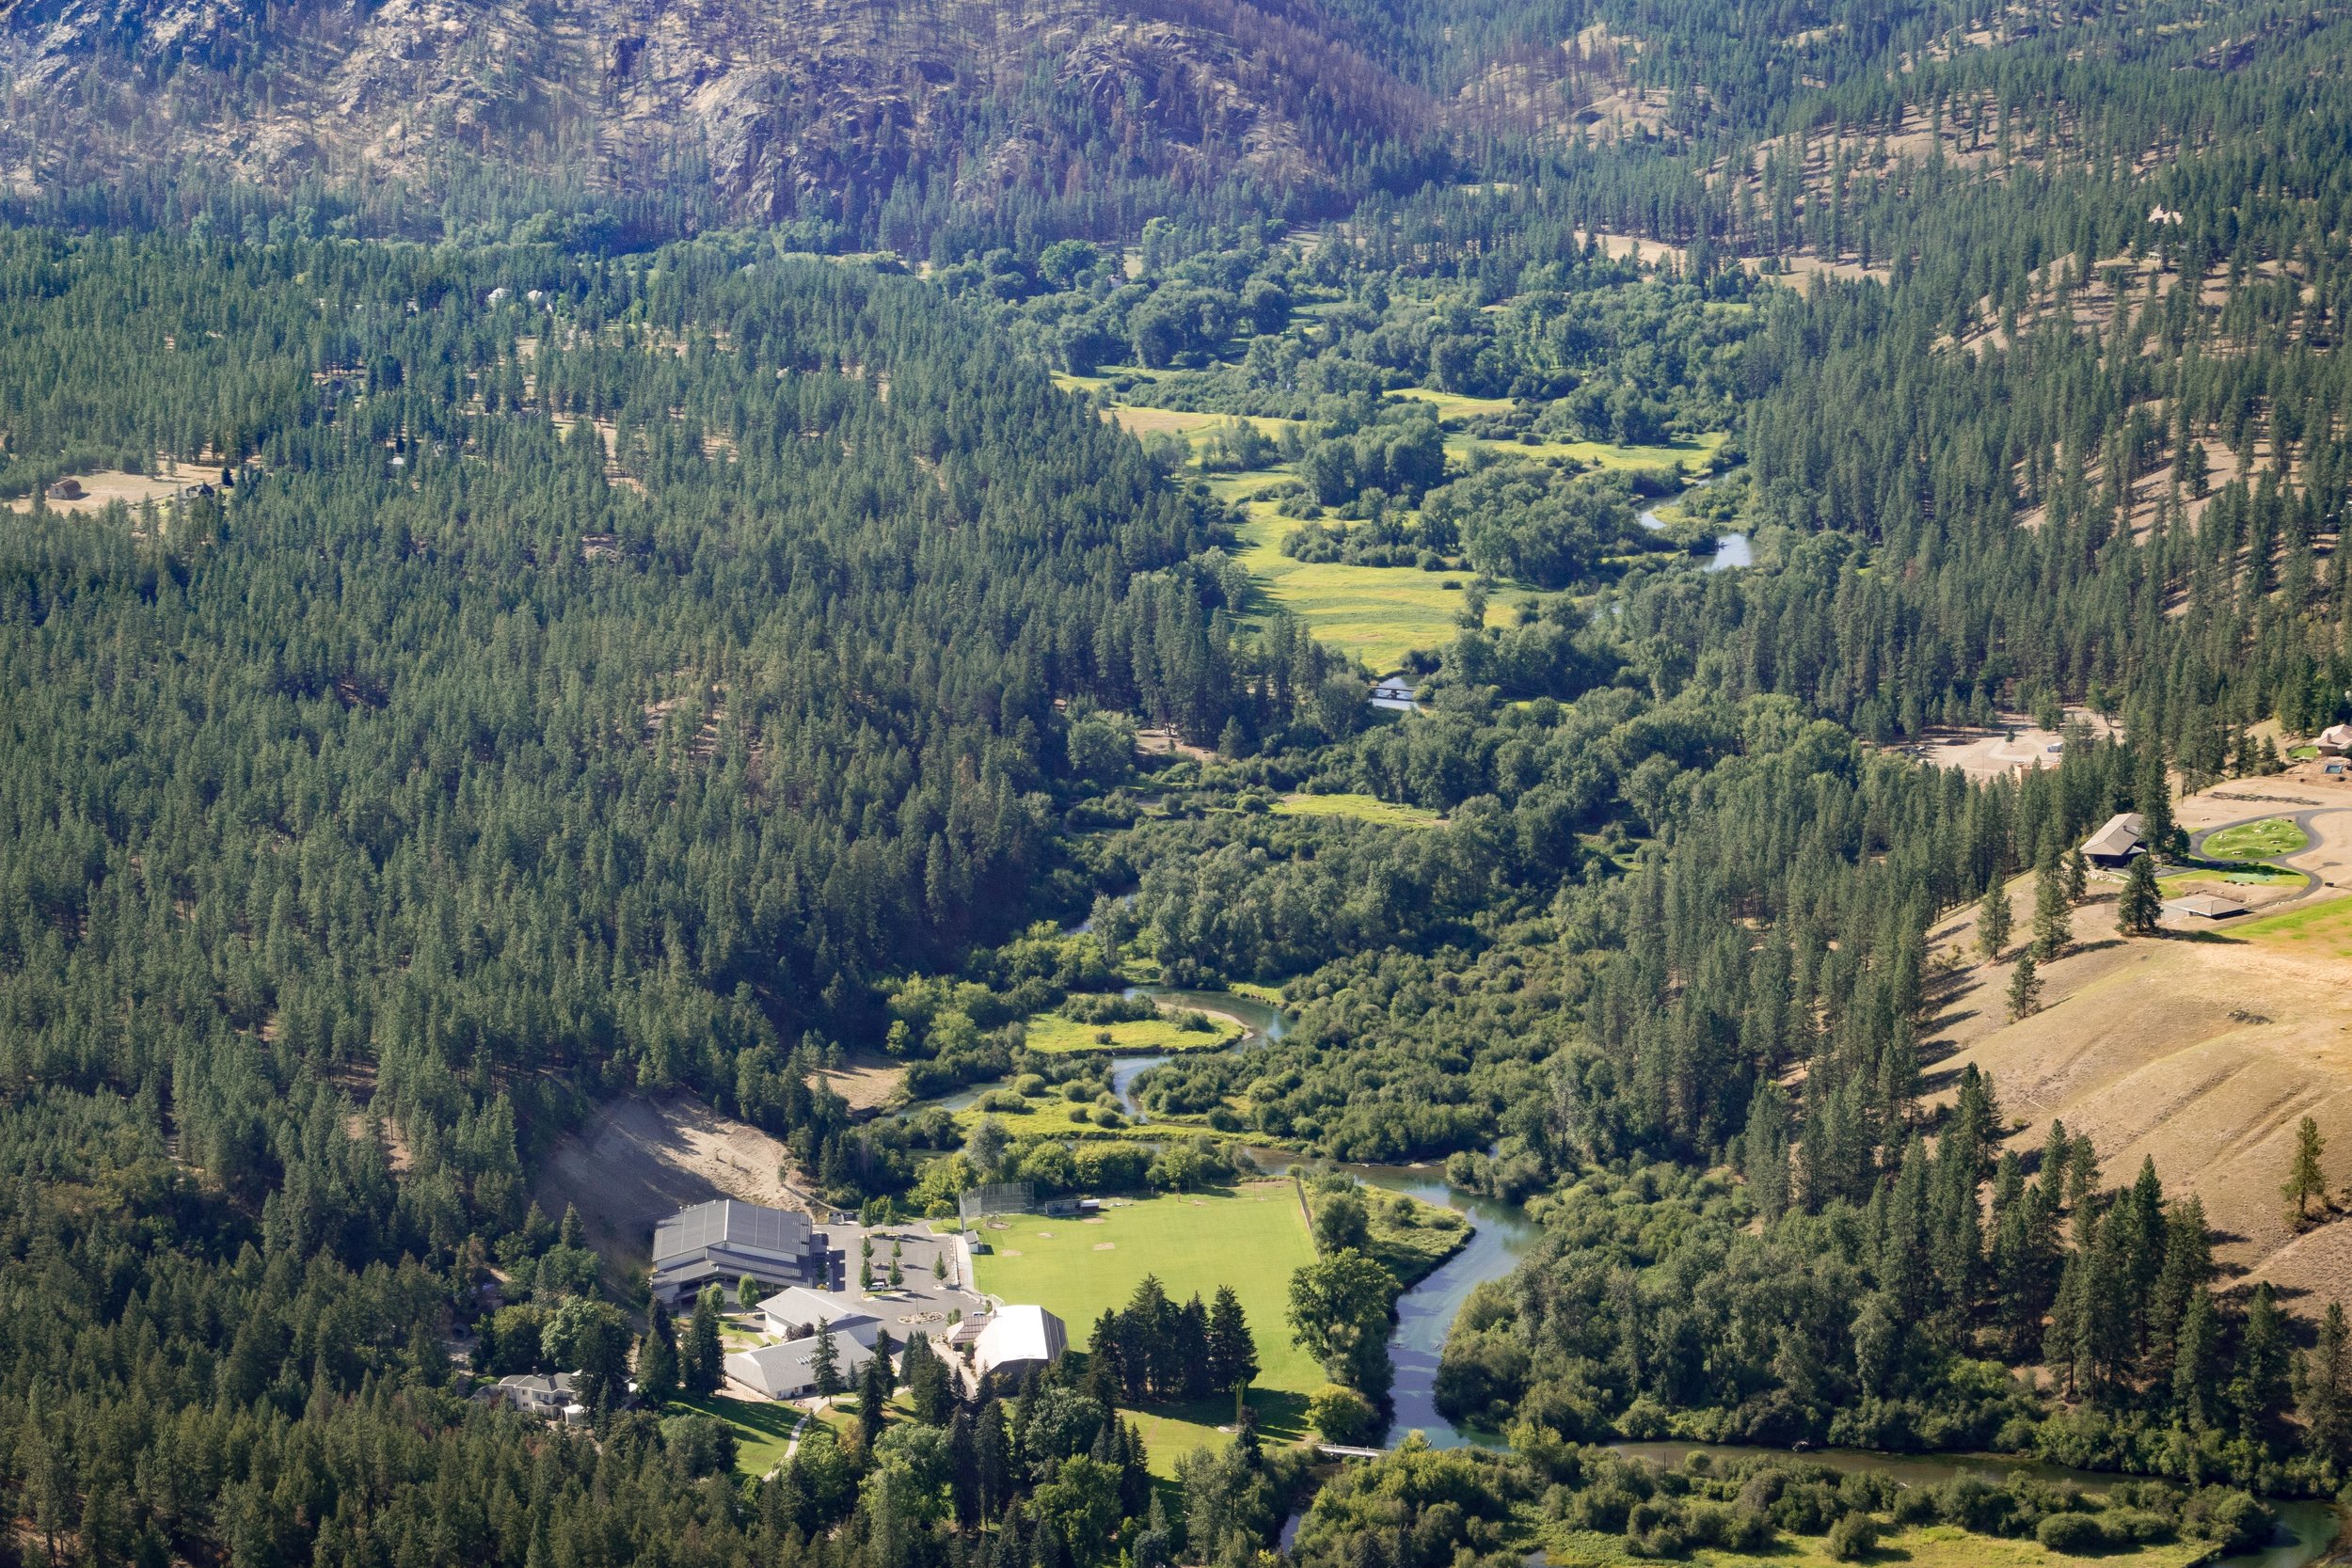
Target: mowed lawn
[[2277, 835], [1252, 1237], [763, 1430]]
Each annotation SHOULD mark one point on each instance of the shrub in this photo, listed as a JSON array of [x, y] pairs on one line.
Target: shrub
[[2071, 1533], [1853, 1537], [1340, 1414]]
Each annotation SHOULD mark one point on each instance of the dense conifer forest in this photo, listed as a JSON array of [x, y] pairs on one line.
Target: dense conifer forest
[[577, 644]]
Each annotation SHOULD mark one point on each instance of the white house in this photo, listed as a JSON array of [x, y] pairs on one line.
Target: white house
[[550, 1399], [1394, 694], [789, 1370]]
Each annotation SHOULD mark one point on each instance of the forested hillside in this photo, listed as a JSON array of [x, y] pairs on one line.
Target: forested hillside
[[606, 650]]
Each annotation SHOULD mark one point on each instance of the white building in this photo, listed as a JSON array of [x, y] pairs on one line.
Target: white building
[[798, 1312], [1018, 1339], [789, 1370]]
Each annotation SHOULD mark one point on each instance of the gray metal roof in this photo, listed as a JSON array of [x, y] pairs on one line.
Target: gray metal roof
[[726, 1223]]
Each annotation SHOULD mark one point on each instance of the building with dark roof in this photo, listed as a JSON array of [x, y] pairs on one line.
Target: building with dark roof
[[724, 1240], [2114, 845]]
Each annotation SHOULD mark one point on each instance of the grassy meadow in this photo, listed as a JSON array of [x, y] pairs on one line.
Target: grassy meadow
[[1057, 1036], [763, 1430], [1252, 1237], [1362, 808]]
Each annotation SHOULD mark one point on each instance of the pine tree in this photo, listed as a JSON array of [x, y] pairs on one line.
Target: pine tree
[[2197, 1364], [2025, 988], [2262, 1389], [2077, 875], [657, 1361], [825, 1361], [2152, 792], [2053, 916], [2141, 905], [1994, 919], [1764, 1149], [2324, 1397], [701, 1358], [1233, 1352], [2305, 1179]]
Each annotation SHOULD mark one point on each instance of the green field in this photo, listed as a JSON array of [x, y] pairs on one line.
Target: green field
[[2321, 927], [1683, 455], [1363, 808], [1454, 406], [2186, 881], [2276, 835], [1925, 1546], [1253, 1238], [1056, 1035], [1375, 613]]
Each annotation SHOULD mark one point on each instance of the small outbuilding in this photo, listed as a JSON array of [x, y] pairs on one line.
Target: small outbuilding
[[2203, 906], [67, 489], [2114, 845]]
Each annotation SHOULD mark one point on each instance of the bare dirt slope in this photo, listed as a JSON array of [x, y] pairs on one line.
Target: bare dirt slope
[[2201, 1050], [641, 1160]]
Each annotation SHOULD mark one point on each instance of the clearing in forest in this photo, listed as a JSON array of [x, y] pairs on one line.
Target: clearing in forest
[[1362, 808], [639, 1161], [1056, 1035], [2199, 1050], [1375, 613], [1252, 1237]]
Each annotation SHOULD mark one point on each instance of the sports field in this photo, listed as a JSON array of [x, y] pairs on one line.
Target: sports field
[[1253, 1238]]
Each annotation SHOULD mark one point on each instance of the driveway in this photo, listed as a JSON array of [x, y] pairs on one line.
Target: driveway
[[2306, 818]]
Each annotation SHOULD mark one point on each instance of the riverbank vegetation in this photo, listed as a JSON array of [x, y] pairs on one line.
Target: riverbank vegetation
[[1592, 1508]]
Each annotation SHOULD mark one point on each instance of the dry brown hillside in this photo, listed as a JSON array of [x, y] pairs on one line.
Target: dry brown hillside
[[2201, 1049]]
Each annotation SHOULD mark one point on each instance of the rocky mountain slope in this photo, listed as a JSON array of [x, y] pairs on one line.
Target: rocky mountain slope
[[811, 108]]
